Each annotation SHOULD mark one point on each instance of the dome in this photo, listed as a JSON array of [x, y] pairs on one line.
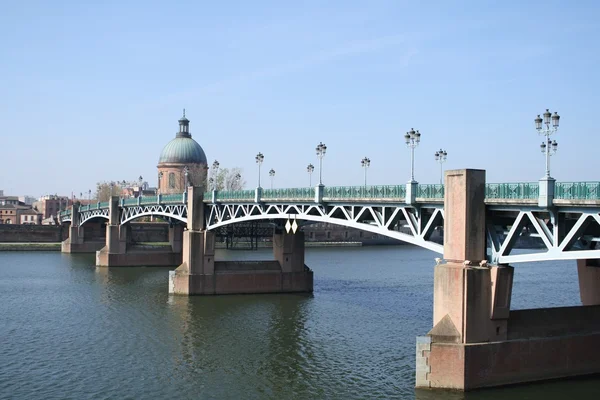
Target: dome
[[182, 150]]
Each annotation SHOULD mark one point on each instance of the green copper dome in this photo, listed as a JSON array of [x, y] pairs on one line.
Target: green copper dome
[[183, 149]]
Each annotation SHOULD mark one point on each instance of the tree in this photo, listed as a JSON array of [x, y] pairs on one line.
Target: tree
[[227, 179], [106, 189]]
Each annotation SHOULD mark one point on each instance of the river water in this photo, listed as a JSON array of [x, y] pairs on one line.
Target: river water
[[73, 331]]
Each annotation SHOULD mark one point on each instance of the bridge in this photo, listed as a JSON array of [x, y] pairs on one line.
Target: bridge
[[476, 340], [568, 227]]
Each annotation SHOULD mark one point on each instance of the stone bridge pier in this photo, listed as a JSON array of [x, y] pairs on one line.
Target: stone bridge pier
[[476, 340], [119, 252], [200, 274], [81, 238]]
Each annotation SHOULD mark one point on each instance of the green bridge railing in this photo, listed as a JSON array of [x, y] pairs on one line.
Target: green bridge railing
[[577, 190], [365, 192], [293, 193], [512, 191], [493, 191]]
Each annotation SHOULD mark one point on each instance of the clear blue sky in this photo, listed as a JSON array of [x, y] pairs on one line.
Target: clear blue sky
[[92, 91]]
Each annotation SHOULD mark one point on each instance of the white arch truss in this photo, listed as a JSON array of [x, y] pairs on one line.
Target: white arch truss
[[175, 211], [564, 233], [85, 216], [382, 219]]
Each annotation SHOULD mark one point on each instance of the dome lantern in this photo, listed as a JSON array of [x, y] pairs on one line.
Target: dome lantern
[[184, 127]]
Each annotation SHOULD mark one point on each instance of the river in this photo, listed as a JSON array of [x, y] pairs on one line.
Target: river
[[70, 330]]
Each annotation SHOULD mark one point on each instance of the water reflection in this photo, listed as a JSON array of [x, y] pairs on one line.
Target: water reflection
[[245, 341]]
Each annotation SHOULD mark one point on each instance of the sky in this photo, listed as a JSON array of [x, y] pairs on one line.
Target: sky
[[92, 91]]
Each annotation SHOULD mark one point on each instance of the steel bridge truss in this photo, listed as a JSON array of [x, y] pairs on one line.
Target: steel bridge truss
[[170, 211], [567, 233], [385, 219]]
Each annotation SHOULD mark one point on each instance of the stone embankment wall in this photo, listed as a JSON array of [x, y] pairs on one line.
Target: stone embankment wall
[[33, 233], [140, 232]]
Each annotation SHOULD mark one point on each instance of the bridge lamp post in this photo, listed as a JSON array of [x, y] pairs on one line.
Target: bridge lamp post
[[441, 156], [236, 180], [259, 160], [543, 128], [310, 169], [412, 139], [321, 150], [365, 163], [160, 175], [272, 175], [215, 167], [89, 194], [141, 180]]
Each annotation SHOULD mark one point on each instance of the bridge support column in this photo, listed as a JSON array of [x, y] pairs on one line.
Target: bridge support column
[[176, 238], [476, 341], [200, 274], [589, 282], [76, 242], [118, 251]]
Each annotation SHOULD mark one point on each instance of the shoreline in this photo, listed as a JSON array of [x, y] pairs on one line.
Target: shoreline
[[56, 246]]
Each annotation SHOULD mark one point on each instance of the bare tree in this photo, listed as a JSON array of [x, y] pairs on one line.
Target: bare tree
[[106, 189], [227, 179]]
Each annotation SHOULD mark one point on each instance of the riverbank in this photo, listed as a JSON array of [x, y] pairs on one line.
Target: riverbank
[[218, 245], [30, 246]]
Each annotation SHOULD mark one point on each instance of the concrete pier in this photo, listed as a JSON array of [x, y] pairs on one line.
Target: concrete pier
[[77, 241], [476, 341], [119, 252], [200, 274]]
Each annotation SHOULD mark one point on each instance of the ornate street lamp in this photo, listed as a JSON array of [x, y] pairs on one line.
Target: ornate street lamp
[[272, 175], [259, 160], [310, 169], [542, 126], [441, 156], [140, 186], [215, 173], [160, 175], [365, 163], [412, 138], [89, 194], [236, 180], [321, 150]]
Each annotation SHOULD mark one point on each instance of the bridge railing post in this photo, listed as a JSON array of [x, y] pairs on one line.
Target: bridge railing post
[[546, 192], [257, 195], [411, 192], [319, 190]]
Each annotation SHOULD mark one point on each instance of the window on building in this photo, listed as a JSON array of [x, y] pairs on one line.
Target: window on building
[[311, 235], [346, 234], [328, 235], [360, 234], [172, 180]]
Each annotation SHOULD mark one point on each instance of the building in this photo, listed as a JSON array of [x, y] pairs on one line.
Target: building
[[8, 214], [15, 214], [182, 162], [30, 217], [27, 200], [7, 200], [50, 205]]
